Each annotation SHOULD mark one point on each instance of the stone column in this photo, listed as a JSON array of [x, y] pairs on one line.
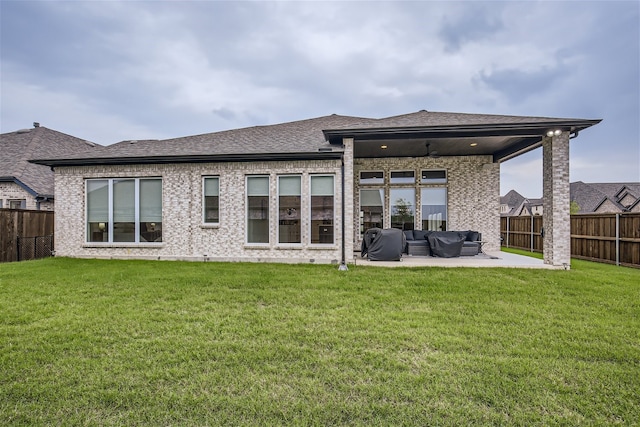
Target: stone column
[[349, 217], [557, 220]]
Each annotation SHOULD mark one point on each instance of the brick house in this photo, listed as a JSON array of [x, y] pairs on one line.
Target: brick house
[[25, 185], [289, 192]]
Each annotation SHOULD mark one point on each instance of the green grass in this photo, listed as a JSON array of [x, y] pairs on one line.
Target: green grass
[[95, 342]]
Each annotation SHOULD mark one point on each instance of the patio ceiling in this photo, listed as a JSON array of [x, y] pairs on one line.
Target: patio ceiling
[[500, 141]]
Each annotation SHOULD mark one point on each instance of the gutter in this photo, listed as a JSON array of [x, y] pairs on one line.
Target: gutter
[[197, 158]]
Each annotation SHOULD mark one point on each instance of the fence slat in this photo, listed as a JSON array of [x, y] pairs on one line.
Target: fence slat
[[593, 236], [18, 223]]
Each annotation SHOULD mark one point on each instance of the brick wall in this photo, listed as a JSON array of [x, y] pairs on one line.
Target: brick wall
[[184, 234]]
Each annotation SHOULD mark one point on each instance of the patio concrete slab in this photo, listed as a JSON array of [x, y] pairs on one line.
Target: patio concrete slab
[[490, 259]]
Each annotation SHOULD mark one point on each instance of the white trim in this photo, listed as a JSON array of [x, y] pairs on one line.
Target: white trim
[[256, 245], [290, 245], [322, 245], [203, 217]]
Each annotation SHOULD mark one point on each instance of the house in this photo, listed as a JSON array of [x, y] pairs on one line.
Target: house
[[304, 191], [514, 204], [25, 185], [605, 197], [511, 203]]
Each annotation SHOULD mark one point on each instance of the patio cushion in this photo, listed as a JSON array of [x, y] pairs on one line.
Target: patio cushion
[[408, 234]]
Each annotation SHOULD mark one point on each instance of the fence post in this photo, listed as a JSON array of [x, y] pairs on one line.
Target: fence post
[[531, 233], [617, 239], [507, 231]]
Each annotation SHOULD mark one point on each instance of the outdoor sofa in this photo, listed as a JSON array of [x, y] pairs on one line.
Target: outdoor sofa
[[445, 244]]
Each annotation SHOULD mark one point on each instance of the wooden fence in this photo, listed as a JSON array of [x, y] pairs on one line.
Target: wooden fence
[[17, 224], [610, 238]]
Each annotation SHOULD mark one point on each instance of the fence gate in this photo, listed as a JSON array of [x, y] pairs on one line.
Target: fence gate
[[34, 247]]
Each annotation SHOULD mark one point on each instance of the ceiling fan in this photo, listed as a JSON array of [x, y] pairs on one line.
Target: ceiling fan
[[432, 154]]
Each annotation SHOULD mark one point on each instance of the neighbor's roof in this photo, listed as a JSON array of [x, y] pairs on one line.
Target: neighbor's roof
[[16, 148], [589, 196], [304, 139]]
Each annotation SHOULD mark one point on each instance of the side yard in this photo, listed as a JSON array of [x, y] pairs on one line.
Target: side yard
[[97, 342]]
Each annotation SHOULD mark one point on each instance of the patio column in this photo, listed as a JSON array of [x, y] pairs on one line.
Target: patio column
[[348, 198], [556, 245]]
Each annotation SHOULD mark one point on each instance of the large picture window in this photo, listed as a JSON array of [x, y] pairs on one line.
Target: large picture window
[[434, 209], [258, 209], [402, 203], [124, 210], [289, 198], [211, 205], [322, 209], [371, 209]]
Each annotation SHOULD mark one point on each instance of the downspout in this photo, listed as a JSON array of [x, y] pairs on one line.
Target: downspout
[[343, 261]]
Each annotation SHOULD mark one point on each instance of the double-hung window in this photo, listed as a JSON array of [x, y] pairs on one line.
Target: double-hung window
[[127, 210], [322, 209], [211, 197]]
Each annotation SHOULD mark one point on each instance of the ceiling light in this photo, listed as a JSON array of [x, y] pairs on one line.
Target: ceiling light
[[384, 147], [557, 132], [473, 144]]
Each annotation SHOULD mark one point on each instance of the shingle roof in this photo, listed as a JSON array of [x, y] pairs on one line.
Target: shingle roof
[[589, 196], [425, 118], [284, 140], [16, 148]]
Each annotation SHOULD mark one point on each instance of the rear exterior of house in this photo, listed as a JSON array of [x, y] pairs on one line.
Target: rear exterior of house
[[296, 192]]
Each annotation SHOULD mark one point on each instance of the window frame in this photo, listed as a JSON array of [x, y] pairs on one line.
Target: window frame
[[433, 181], [367, 181], [310, 212], [110, 212], [204, 203], [299, 242], [246, 214], [383, 190], [412, 182]]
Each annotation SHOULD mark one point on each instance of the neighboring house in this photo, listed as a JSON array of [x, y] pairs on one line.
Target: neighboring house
[[510, 203], [303, 191], [25, 185], [514, 204], [606, 197]]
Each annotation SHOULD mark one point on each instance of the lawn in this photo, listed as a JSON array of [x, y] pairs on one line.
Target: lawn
[[99, 342]]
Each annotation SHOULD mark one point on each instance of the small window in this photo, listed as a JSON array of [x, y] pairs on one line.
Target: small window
[[374, 177], [403, 177], [211, 203], [434, 176], [17, 204]]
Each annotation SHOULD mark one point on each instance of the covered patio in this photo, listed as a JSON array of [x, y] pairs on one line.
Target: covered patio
[[489, 259]]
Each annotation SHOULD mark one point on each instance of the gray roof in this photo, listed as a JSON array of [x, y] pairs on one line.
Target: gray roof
[[16, 148], [589, 196], [305, 139]]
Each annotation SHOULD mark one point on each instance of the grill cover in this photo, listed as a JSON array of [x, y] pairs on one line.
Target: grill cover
[[383, 244]]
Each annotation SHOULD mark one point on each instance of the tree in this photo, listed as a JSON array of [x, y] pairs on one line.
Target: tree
[[574, 207]]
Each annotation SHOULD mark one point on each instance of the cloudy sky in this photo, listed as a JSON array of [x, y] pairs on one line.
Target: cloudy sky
[[109, 71]]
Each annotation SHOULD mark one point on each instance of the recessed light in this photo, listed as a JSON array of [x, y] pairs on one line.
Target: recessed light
[[384, 147], [473, 144]]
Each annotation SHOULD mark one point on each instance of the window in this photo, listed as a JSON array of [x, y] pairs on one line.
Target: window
[[289, 198], [402, 203], [434, 209], [211, 196], [371, 209], [322, 209], [376, 177], [258, 209], [124, 210], [17, 204], [403, 177], [434, 176]]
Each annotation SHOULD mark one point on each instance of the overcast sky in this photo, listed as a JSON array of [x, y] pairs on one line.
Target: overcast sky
[[109, 71]]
